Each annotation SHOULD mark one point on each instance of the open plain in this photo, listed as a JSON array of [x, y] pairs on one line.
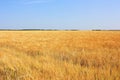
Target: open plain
[[59, 55]]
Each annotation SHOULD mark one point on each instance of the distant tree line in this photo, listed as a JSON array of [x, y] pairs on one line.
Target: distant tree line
[[53, 30]]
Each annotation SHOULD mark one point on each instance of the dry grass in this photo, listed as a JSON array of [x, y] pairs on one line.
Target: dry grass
[[60, 55]]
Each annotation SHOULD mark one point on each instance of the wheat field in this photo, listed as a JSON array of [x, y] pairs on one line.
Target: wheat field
[[59, 55]]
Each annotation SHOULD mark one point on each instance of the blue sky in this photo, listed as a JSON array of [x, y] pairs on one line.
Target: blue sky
[[60, 14]]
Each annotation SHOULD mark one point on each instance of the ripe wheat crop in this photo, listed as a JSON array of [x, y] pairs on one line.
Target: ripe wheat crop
[[59, 55]]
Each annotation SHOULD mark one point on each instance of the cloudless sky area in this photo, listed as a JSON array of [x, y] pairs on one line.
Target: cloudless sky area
[[60, 14]]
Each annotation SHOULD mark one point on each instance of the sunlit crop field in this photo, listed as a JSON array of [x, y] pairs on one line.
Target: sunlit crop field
[[59, 55]]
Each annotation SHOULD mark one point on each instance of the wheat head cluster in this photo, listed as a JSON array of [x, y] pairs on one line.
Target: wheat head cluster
[[59, 55]]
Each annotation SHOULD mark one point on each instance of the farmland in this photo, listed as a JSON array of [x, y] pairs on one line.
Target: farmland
[[59, 55]]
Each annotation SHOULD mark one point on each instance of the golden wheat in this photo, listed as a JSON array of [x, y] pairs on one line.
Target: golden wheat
[[59, 55]]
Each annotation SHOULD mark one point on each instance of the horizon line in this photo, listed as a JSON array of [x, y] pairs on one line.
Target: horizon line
[[59, 29]]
